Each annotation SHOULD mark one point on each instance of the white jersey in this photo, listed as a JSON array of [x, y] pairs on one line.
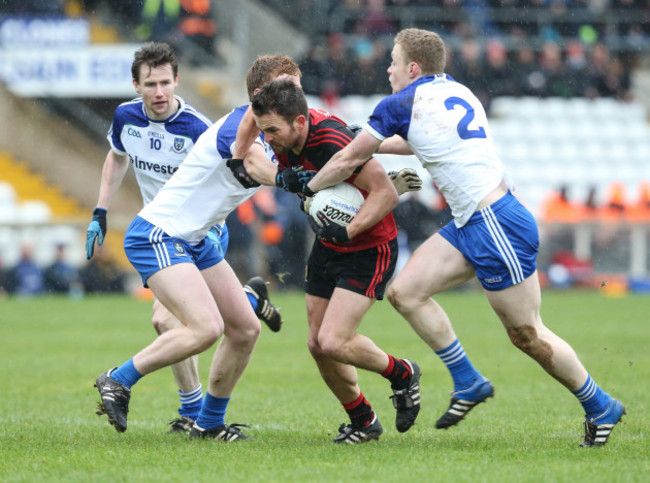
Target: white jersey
[[203, 191], [445, 126], [155, 148]]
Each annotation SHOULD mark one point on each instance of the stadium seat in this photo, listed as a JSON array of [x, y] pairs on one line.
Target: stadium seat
[[7, 203], [33, 212]]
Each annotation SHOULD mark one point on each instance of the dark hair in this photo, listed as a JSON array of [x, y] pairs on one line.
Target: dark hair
[[153, 54], [282, 96], [268, 67]]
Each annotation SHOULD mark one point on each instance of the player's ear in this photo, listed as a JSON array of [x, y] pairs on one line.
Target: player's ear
[[299, 121], [137, 86], [414, 69]]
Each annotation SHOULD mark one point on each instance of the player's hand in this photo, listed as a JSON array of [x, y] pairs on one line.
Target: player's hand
[[330, 231], [96, 231], [240, 173], [406, 179], [293, 179], [307, 196]]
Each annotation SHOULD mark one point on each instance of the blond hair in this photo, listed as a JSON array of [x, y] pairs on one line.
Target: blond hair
[[424, 48], [266, 68]]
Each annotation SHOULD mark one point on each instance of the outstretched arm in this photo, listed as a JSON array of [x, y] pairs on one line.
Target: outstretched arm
[[394, 145], [258, 165], [246, 134], [344, 162]]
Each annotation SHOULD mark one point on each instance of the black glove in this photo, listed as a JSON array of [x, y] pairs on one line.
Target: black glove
[[96, 231], [305, 199], [293, 179], [330, 231], [240, 173]]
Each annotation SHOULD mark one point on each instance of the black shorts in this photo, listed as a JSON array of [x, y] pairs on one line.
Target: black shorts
[[365, 272]]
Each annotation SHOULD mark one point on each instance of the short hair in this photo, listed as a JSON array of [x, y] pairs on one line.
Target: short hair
[[153, 54], [282, 96], [266, 68], [424, 48]]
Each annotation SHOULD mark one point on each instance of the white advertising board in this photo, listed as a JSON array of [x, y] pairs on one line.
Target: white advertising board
[[79, 71]]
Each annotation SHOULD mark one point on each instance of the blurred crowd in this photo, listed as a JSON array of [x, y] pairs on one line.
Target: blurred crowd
[[188, 25], [565, 48], [609, 220], [28, 278]]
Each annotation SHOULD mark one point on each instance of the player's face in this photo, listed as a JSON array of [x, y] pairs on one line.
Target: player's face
[[156, 86], [399, 70], [280, 134]]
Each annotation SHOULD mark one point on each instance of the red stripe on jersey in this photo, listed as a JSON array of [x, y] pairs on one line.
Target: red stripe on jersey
[[383, 259], [327, 141], [332, 136], [333, 132]]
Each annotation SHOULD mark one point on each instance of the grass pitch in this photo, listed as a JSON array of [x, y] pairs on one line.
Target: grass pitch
[[54, 348]]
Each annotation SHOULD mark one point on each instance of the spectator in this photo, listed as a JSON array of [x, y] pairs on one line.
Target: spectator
[[366, 77], [60, 276], [293, 247], [469, 68], [27, 277], [500, 81], [159, 21], [415, 220], [5, 287], [199, 29], [240, 254], [101, 274], [375, 20]]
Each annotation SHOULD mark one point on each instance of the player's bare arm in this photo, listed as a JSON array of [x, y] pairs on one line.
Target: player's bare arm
[[115, 167], [258, 165], [246, 134], [394, 145], [381, 200], [343, 163]]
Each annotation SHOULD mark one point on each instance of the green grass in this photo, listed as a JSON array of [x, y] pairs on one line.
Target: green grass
[[54, 348]]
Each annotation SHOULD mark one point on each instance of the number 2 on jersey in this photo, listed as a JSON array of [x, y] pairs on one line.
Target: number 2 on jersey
[[463, 131]]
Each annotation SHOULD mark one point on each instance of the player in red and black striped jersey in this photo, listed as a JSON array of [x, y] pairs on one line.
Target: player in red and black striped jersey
[[349, 268], [327, 135]]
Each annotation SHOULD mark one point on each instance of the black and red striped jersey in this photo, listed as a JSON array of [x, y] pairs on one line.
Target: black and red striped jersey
[[328, 135]]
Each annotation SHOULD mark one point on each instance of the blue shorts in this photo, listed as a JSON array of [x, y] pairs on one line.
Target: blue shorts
[[149, 249], [219, 235], [500, 241]]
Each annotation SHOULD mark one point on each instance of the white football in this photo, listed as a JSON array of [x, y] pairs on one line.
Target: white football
[[339, 203]]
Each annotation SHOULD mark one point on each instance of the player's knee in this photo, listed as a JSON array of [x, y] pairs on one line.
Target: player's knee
[[524, 337], [332, 348], [396, 296], [244, 333], [162, 324], [162, 320], [204, 337], [314, 348]]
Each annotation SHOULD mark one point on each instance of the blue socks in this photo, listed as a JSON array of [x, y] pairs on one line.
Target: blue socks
[[126, 374], [593, 399], [254, 302], [461, 369], [191, 403], [213, 411]]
